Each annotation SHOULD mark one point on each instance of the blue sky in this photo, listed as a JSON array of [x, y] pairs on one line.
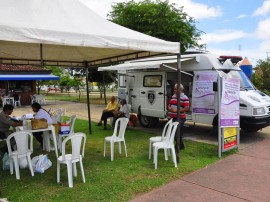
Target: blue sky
[[232, 27]]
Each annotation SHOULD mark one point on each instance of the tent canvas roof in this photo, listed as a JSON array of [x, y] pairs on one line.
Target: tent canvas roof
[[70, 33]]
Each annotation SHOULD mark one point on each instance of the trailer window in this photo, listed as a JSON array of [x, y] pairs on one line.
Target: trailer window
[[152, 81], [122, 81]]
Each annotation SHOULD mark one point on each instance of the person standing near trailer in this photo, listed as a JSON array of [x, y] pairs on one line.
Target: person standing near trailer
[[184, 107]]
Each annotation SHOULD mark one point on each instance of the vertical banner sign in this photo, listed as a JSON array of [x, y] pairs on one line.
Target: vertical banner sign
[[230, 103], [203, 99], [230, 137], [229, 113]]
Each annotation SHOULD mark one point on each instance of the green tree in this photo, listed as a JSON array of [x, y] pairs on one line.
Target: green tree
[[159, 19], [66, 82], [78, 75], [261, 77]]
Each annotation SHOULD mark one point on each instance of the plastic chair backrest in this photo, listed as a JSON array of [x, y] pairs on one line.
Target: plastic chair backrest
[[123, 125], [56, 118], [61, 113], [22, 142], [76, 141], [33, 98], [172, 130], [72, 123], [165, 129]]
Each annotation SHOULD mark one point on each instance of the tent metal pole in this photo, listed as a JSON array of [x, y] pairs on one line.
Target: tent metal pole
[[41, 55], [104, 88], [41, 63], [178, 104], [88, 99]]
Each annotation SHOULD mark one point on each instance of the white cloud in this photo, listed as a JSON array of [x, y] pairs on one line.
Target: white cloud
[[198, 10], [264, 9], [265, 46], [222, 36], [242, 16], [227, 20], [263, 30]]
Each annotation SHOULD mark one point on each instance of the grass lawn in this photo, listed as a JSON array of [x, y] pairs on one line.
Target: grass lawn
[[120, 180]]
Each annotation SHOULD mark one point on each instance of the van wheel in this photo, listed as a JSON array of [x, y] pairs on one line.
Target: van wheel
[[145, 121]]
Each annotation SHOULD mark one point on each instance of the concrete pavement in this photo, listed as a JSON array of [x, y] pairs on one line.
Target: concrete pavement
[[243, 176], [80, 109]]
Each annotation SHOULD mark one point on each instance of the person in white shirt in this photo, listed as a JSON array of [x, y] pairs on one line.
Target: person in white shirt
[[40, 113], [123, 112]]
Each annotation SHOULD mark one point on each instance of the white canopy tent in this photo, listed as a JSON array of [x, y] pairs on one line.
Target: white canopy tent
[[70, 33]]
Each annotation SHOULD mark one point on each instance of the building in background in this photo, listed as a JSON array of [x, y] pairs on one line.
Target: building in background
[[22, 80]]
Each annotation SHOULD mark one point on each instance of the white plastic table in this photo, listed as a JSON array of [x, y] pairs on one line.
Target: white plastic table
[[50, 128]]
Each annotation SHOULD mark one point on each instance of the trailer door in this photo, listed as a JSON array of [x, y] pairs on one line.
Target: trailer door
[[151, 94], [122, 87]]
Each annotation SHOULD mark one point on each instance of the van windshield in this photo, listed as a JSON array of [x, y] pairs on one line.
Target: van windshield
[[245, 83]]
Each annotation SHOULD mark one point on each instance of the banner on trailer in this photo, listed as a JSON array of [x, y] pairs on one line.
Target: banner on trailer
[[229, 116], [203, 99]]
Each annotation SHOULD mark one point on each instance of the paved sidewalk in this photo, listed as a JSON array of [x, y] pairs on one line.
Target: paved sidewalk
[[244, 176]]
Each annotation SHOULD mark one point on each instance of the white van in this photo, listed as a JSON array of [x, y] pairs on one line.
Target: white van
[[147, 84]]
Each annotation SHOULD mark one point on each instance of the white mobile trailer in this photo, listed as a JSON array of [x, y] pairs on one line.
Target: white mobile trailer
[[146, 85]]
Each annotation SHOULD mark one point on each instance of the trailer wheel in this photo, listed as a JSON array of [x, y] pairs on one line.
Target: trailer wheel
[[145, 121]]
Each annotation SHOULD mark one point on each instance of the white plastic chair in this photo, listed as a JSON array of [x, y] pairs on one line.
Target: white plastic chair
[[61, 113], [33, 98], [42, 99], [71, 159], [24, 149], [60, 136], [56, 118], [158, 138], [168, 143], [117, 137], [18, 102]]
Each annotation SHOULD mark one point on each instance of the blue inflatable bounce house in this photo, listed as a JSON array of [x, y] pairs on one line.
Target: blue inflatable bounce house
[[246, 67]]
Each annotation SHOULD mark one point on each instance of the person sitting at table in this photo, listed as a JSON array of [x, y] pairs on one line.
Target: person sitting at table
[[5, 123], [40, 113], [110, 111], [16, 96], [123, 112]]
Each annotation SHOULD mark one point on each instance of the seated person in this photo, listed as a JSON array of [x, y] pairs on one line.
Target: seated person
[[110, 111], [123, 112], [40, 113], [5, 123], [16, 96]]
